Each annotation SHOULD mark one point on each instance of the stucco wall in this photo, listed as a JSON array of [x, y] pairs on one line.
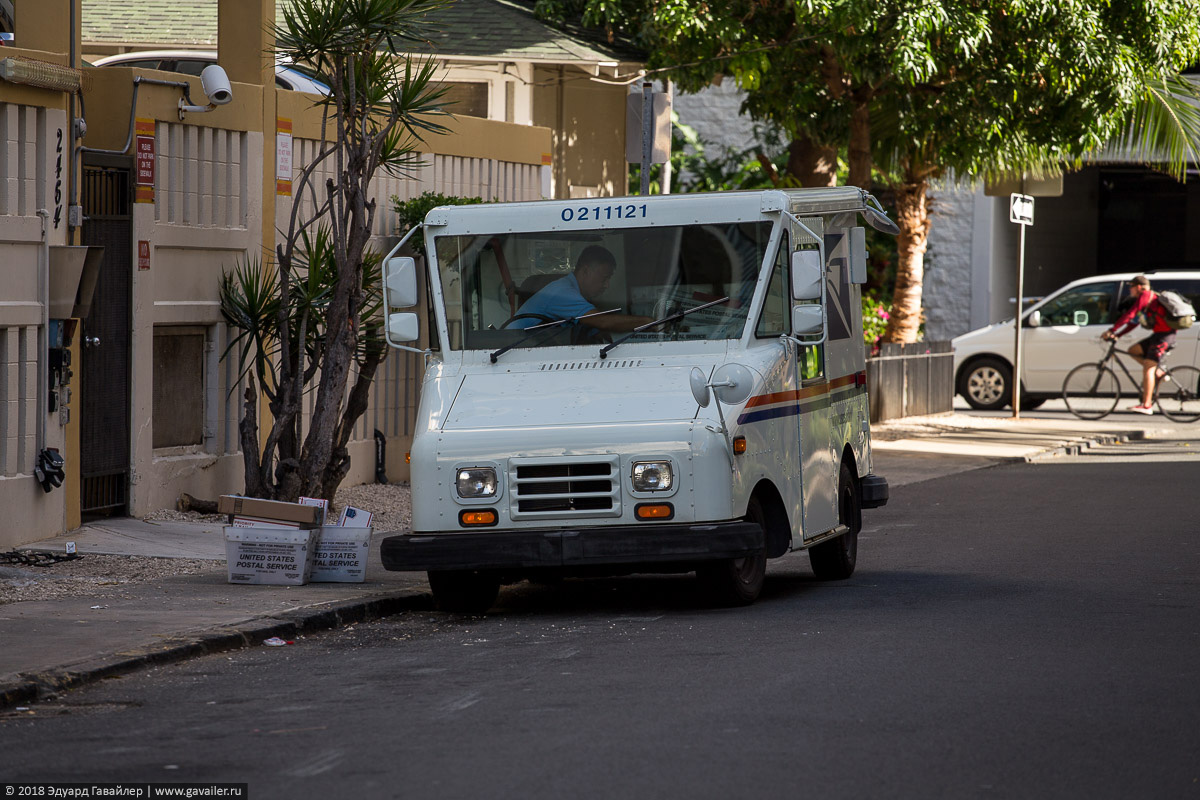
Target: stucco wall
[[947, 295], [588, 120], [714, 114], [29, 179]]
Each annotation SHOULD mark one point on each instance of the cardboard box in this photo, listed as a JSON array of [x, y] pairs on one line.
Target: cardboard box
[[355, 518], [341, 555], [304, 516], [258, 522], [269, 556], [319, 502]]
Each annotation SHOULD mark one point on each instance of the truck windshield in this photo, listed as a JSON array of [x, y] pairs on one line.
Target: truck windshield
[[497, 285]]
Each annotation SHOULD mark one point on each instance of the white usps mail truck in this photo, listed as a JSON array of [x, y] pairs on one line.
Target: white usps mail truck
[[640, 384]]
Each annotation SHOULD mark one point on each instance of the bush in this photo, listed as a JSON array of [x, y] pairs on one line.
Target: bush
[[875, 314], [412, 212]]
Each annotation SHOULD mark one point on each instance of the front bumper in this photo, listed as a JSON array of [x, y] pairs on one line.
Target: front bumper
[[874, 491], [524, 549]]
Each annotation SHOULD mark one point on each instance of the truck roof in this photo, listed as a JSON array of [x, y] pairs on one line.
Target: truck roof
[[677, 209]]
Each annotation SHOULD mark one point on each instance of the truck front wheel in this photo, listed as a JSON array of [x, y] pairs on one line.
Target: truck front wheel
[[464, 591], [834, 560], [737, 581]]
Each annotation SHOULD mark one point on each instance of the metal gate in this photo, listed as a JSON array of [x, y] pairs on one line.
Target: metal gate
[[105, 344]]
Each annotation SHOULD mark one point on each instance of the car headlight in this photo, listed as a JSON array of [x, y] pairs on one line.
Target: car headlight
[[476, 482], [652, 476]]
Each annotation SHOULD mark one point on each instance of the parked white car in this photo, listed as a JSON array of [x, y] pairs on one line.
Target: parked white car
[[1061, 331], [193, 62]]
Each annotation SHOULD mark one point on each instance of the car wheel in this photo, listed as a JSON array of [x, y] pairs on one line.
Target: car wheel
[[737, 581], [987, 384], [834, 559], [464, 591]]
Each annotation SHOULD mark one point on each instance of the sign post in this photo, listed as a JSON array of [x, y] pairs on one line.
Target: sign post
[[1020, 212], [1021, 190]]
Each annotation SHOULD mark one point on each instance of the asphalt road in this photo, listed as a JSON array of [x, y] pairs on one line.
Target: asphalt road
[[1022, 632]]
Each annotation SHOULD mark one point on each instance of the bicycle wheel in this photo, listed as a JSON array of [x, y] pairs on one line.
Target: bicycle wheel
[[1179, 394], [1091, 391]]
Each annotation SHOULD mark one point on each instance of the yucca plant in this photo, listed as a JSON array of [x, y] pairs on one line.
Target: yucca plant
[[310, 314]]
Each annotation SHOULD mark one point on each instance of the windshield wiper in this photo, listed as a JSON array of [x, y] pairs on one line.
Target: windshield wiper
[[678, 315], [535, 329]]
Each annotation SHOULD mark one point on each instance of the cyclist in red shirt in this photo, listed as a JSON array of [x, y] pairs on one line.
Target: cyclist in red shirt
[[1148, 351]]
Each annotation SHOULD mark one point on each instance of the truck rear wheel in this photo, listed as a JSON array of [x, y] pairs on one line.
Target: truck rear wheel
[[834, 560], [464, 591], [737, 581]]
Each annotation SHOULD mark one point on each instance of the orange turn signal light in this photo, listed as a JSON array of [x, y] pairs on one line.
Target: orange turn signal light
[[654, 511], [485, 517], [408, 458], [739, 444]]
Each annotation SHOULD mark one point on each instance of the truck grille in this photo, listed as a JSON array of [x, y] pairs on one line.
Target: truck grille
[[562, 488]]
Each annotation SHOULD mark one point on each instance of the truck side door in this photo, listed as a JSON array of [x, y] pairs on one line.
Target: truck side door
[[818, 470]]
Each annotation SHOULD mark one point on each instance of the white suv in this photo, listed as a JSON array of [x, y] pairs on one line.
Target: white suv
[[1061, 331]]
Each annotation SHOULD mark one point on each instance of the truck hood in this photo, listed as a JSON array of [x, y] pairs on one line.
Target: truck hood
[[573, 397]]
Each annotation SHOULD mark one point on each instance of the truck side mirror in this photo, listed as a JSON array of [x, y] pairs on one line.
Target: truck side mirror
[[807, 320], [807, 274], [858, 255], [403, 327], [400, 282]]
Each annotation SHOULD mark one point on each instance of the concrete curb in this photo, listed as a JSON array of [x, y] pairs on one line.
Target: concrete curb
[[1087, 443], [35, 686]]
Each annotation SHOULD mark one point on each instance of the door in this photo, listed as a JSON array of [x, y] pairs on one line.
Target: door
[[105, 344], [818, 470], [1068, 334]]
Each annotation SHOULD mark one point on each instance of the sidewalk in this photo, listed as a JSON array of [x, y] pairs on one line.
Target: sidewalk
[[54, 645], [921, 448]]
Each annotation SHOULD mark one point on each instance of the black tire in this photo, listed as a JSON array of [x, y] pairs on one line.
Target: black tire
[[1091, 391], [1030, 403], [986, 384], [835, 559], [1179, 394], [464, 591], [737, 581]]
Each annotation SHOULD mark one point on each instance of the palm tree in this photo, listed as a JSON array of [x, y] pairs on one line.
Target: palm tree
[[309, 315]]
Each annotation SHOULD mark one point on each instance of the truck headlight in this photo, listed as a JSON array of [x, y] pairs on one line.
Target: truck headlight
[[476, 482], [652, 476]]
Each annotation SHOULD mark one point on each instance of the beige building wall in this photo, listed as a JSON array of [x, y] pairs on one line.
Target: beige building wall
[[588, 120], [31, 178], [204, 221], [212, 183]]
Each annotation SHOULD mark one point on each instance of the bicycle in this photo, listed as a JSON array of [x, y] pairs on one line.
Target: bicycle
[[1091, 391]]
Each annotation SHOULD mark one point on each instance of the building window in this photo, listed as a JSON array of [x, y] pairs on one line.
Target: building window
[[465, 99], [178, 386]]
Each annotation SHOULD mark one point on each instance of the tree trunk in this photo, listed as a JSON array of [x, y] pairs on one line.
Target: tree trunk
[[812, 164], [356, 406], [860, 146], [248, 434], [912, 216]]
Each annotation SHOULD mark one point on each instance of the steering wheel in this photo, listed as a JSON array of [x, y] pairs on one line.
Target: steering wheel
[[541, 318], [663, 307]]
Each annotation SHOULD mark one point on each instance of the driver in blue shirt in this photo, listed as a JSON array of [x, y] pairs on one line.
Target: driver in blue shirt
[[574, 295]]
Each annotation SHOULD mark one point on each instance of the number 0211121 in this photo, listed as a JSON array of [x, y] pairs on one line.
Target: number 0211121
[[604, 213]]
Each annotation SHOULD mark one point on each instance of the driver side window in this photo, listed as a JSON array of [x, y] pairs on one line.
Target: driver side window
[[775, 319], [1091, 304]]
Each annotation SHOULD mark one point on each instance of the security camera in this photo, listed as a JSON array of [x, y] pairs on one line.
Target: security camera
[[215, 84]]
